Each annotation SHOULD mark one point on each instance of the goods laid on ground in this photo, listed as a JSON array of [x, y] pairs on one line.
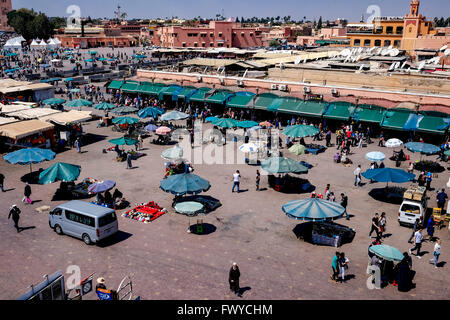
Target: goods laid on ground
[[145, 212]]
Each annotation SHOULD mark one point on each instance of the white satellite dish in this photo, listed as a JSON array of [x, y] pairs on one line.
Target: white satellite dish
[[390, 47], [384, 52], [394, 52], [391, 67], [358, 58], [345, 52], [447, 52], [379, 51], [360, 50], [404, 64], [443, 48], [397, 64]]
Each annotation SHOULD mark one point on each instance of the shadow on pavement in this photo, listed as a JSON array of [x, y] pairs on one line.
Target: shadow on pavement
[[119, 237], [207, 229]]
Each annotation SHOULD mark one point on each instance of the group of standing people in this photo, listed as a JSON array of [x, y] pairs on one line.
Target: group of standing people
[[339, 266]]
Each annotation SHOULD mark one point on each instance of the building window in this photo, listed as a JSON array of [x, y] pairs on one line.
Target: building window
[[357, 42], [220, 34], [387, 43], [399, 30], [379, 30], [377, 43], [397, 43], [389, 30], [367, 42]]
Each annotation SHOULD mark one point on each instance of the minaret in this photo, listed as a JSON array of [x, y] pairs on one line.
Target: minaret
[[411, 26], [5, 7]]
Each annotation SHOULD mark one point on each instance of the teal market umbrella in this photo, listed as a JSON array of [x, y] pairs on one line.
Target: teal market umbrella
[[53, 101], [172, 153], [59, 172], [313, 209], [375, 156], [125, 120], [89, 60], [124, 110], [247, 124], [191, 209], [102, 59], [447, 153], [78, 103], [105, 106], [29, 156], [211, 119], [225, 123], [300, 131], [282, 165], [150, 112], [124, 141], [388, 175], [387, 252], [423, 148], [185, 183], [174, 115]]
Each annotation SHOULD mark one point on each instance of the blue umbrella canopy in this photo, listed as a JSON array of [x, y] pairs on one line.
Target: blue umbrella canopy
[[388, 175], [172, 153], [375, 156], [313, 209], [150, 112], [421, 147], [300, 131], [185, 183], [59, 172], [29, 156], [151, 128], [282, 165], [174, 115], [387, 252], [102, 186]]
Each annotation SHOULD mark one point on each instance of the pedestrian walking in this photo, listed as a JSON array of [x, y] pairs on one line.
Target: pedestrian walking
[[430, 228], [233, 278], [77, 144], [2, 181], [428, 179], [417, 223], [357, 174], [27, 194], [382, 223], [335, 267], [374, 226], [436, 253], [14, 212], [440, 198], [258, 179], [141, 142], [236, 180], [343, 265], [418, 237], [129, 164], [344, 203]]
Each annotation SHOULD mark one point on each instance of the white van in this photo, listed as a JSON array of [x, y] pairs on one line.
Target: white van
[[83, 220], [411, 210]]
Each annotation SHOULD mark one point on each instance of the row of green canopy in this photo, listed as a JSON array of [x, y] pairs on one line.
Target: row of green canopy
[[397, 119]]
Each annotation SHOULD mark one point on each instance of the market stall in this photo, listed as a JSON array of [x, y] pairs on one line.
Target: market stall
[[31, 133], [145, 213]]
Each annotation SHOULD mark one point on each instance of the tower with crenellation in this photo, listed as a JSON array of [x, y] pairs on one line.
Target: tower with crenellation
[[5, 7]]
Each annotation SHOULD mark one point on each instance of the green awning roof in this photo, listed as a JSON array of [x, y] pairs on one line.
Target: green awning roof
[[368, 113], [115, 84], [130, 86], [264, 100], [240, 100], [395, 119], [339, 111], [219, 97], [431, 124], [168, 91], [289, 105], [150, 88], [200, 94], [311, 109], [187, 91]]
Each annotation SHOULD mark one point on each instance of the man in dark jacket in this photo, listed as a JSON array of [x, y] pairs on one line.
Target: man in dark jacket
[[2, 180], [15, 213], [234, 278], [27, 194]]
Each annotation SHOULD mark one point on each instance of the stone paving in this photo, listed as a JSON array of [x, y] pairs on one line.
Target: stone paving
[[166, 262]]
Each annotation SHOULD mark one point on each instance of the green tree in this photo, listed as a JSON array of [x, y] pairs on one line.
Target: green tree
[[32, 25], [274, 43], [319, 24]]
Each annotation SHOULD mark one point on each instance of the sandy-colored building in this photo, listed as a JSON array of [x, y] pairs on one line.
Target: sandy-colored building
[[95, 37], [5, 7]]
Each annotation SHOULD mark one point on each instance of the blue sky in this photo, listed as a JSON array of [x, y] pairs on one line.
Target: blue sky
[[297, 9]]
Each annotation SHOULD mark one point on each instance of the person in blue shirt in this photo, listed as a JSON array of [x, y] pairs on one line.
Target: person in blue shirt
[[335, 267], [429, 179]]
